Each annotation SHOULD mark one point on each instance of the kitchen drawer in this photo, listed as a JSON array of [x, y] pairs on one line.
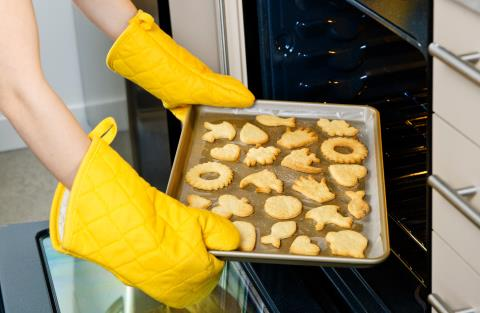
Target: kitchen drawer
[[456, 160], [453, 281], [456, 26], [456, 99]]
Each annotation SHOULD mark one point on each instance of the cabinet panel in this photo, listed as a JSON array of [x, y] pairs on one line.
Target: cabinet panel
[[452, 279], [456, 161]]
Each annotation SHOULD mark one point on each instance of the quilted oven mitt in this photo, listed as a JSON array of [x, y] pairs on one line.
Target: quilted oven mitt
[[145, 238], [147, 56]]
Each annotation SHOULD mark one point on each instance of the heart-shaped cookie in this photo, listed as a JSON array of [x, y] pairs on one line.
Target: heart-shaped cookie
[[229, 152], [253, 135], [302, 245], [347, 175]]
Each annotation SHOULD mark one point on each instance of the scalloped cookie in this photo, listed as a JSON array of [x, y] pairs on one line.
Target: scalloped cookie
[[225, 176]]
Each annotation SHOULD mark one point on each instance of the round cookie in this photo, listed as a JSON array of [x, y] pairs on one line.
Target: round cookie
[[283, 207]]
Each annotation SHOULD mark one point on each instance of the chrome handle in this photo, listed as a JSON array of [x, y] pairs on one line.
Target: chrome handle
[[437, 303], [455, 198], [461, 64], [222, 37]]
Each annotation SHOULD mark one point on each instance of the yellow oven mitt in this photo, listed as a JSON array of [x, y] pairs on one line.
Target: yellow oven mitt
[[145, 238], [147, 56]]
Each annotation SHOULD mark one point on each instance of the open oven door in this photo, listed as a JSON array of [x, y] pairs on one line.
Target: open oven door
[[36, 278], [338, 51]]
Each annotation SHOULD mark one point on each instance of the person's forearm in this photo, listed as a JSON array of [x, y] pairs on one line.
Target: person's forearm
[[111, 16], [28, 102]]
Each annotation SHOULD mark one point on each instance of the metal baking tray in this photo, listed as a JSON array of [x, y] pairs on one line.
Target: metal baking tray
[[192, 150]]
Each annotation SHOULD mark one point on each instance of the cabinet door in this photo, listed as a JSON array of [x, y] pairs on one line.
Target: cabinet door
[[453, 282]]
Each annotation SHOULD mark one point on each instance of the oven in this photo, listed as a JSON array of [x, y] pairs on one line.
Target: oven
[[372, 52], [339, 51]]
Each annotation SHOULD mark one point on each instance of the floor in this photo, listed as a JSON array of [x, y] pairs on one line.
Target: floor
[[26, 187]]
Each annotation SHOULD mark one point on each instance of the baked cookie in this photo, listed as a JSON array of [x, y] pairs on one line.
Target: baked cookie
[[283, 207], [328, 214], [225, 176], [357, 206], [261, 155], [272, 120], [198, 202], [229, 152], [217, 131], [229, 205], [347, 243], [313, 189], [300, 160], [253, 135], [297, 138], [347, 175], [264, 180], [279, 231], [302, 245], [337, 127], [358, 151], [248, 236]]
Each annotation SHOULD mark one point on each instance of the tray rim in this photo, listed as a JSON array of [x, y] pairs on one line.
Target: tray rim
[[291, 258]]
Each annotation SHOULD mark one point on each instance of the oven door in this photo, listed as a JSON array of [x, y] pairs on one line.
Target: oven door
[[339, 51], [36, 278]]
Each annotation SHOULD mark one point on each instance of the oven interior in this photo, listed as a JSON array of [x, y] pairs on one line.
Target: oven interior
[[329, 51]]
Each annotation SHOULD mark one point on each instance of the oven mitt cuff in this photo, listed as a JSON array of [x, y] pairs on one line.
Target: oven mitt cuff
[[147, 56], [145, 238]]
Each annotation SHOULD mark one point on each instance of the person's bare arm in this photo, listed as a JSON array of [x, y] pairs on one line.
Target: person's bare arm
[[28, 102], [26, 99], [111, 16]]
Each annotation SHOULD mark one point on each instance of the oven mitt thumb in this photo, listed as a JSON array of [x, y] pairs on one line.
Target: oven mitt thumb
[[145, 238], [147, 56]]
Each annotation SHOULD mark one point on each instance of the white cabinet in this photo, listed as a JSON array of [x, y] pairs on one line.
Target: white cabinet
[[454, 282], [455, 158]]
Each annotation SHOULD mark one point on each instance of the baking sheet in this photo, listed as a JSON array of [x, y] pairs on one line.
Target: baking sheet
[[193, 150]]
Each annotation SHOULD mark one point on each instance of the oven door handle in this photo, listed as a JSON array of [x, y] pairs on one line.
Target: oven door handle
[[463, 64], [437, 303], [455, 197]]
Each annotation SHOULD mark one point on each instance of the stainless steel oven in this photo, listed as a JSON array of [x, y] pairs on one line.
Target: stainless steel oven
[[34, 278], [340, 51], [344, 51]]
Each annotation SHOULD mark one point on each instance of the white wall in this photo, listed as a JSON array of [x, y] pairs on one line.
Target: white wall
[[103, 91], [60, 49]]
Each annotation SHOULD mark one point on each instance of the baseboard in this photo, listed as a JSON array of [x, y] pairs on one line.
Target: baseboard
[[87, 116]]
